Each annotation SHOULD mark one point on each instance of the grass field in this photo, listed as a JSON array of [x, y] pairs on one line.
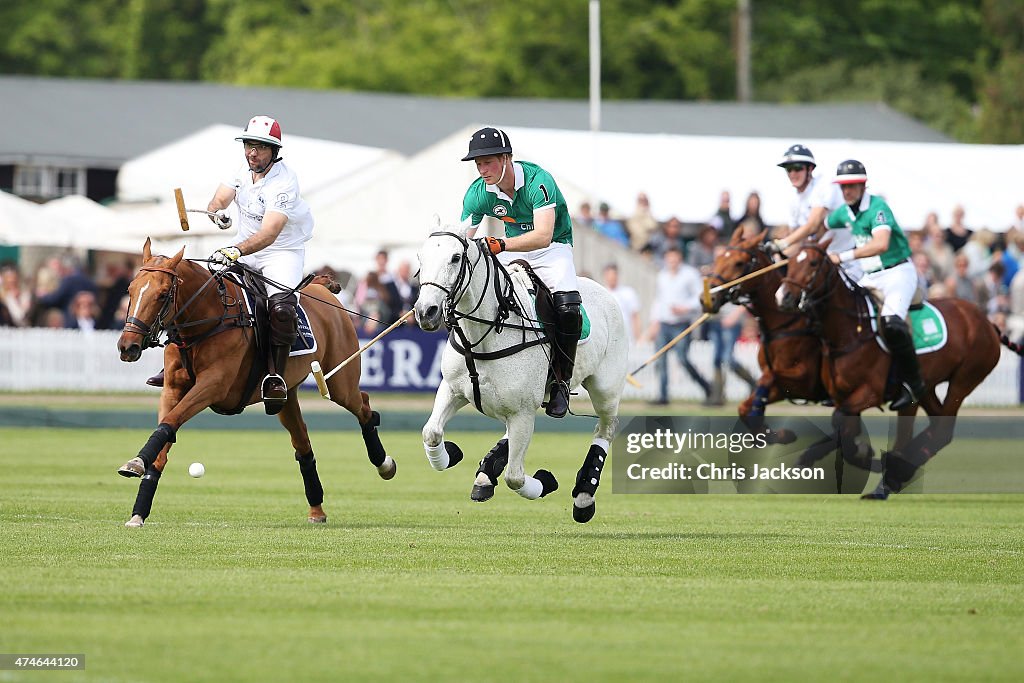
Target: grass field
[[411, 581]]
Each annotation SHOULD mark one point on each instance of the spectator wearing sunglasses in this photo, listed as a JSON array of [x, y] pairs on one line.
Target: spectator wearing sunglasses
[[815, 200]]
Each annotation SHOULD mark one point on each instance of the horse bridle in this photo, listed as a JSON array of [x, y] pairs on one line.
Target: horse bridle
[[733, 293], [151, 333], [811, 296], [507, 303]]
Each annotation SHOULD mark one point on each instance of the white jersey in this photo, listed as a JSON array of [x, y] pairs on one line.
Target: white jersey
[[278, 192], [820, 192]]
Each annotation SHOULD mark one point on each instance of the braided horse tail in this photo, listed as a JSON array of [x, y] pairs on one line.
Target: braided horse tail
[[1016, 348]]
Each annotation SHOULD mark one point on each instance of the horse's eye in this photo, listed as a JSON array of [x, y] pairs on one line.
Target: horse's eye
[[456, 258]]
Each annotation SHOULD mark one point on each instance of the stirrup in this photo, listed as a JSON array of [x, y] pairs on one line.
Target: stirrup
[[270, 389], [906, 398], [558, 403]]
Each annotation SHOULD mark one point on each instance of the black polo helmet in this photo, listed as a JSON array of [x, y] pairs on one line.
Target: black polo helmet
[[850, 172], [797, 154], [488, 141]]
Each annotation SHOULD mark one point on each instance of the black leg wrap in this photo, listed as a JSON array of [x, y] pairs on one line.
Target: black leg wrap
[[547, 481], [162, 435], [147, 489], [493, 464], [310, 478], [374, 448], [589, 476], [455, 455]]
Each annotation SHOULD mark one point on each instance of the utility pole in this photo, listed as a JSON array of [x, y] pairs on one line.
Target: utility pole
[[743, 85]]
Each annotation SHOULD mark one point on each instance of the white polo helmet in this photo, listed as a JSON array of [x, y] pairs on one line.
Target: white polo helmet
[[262, 129]]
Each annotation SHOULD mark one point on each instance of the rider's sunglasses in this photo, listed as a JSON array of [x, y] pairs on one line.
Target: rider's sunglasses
[[794, 168], [255, 145]]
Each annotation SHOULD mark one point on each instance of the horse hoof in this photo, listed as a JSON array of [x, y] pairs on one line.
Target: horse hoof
[[318, 519], [584, 515], [135, 522], [454, 454], [133, 468], [387, 469], [875, 495], [481, 493]]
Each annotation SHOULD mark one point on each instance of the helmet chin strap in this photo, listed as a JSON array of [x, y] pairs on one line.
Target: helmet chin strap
[[263, 169], [502, 176]]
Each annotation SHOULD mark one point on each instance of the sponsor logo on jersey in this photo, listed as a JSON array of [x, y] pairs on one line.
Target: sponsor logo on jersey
[[282, 201], [500, 211]]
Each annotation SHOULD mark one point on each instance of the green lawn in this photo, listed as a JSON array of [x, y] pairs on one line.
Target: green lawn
[[409, 580]]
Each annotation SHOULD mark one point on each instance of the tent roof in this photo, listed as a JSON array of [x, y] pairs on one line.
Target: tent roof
[[102, 123]]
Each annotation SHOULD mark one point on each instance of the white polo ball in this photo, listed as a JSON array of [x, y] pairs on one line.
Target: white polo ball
[[196, 470]]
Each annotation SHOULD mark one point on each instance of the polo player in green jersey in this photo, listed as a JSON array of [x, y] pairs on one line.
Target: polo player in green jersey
[[883, 252], [525, 198]]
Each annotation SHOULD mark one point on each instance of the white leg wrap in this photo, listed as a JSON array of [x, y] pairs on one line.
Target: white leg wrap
[[601, 443], [437, 455], [532, 488]]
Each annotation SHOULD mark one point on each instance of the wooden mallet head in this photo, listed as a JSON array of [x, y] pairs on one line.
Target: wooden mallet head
[[179, 200]]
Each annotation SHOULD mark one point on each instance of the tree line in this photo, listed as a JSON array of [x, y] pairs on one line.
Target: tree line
[[956, 65]]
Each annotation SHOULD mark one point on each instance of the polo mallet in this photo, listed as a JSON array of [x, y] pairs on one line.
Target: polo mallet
[[675, 340], [744, 278], [321, 378], [179, 200], [221, 221]]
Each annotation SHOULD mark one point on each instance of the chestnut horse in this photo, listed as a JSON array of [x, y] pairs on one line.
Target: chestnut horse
[[211, 358], [790, 354], [855, 369]]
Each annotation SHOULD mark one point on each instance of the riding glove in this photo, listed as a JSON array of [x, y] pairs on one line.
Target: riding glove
[[221, 221], [493, 244], [225, 256], [776, 246]]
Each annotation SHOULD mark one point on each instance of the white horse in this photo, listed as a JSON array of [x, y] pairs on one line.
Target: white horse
[[497, 358]]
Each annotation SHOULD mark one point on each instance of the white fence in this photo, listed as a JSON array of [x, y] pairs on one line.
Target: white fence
[[75, 361]]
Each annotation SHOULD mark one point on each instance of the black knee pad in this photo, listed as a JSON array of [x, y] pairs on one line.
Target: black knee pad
[[567, 309], [284, 321]]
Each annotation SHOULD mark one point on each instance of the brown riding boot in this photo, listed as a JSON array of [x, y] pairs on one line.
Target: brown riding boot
[[156, 380], [283, 331]]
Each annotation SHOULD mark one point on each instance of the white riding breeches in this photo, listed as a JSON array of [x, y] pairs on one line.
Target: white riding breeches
[[553, 265], [283, 266], [897, 285]]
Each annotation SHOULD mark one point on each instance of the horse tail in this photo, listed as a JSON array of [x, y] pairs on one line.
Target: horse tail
[[1016, 348]]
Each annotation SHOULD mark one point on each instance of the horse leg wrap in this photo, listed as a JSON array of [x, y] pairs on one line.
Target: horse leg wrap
[[147, 489], [374, 448], [760, 398], [444, 455], [532, 488], [589, 476], [162, 435], [493, 464], [547, 481], [310, 478]]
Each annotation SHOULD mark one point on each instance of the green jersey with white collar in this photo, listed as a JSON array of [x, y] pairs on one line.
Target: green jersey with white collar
[[535, 189], [872, 213]]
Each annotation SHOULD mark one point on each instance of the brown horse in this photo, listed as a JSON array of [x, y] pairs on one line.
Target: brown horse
[[211, 361], [790, 353], [855, 369]]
